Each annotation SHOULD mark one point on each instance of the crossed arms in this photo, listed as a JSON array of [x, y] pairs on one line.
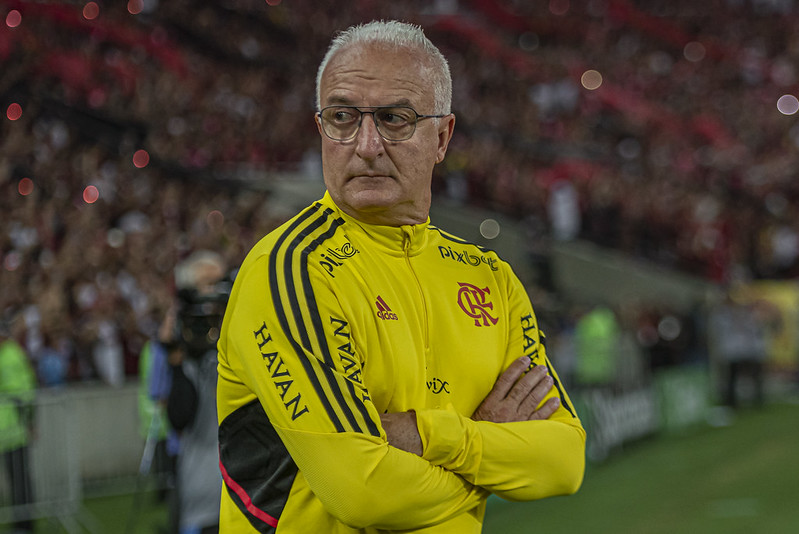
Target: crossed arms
[[520, 443], [515, 397]]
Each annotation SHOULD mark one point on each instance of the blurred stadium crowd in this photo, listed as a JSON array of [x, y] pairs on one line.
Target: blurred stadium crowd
[[133, 130]]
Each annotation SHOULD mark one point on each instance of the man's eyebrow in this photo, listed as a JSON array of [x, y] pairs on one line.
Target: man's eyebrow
[[339, 100]]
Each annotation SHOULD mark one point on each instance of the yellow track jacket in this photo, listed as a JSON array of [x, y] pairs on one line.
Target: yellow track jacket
[[332, 322]]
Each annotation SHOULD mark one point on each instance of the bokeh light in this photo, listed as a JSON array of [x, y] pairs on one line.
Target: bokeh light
[[14, 111], [91, 194], [489, 229], [215, 220], [12, 261], [141, 158], [694, 51], [669, 328], [273, 2], [591, 79], [91, 11], [25, 186], [135, 6], [788, 104], [115, 238], [13, 19]]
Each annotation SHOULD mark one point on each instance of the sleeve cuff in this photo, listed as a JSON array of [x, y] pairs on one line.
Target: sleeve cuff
[[450, 440]]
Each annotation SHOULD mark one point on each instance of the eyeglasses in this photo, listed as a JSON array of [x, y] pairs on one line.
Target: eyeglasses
[[393, 123]]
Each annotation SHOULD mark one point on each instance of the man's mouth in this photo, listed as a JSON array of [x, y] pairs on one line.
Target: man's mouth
[[371, 176]]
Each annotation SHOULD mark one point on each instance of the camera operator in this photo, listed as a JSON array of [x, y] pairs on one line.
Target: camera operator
[[194, 324]]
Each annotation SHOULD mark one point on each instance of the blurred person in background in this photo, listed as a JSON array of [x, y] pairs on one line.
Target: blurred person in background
[[17, 393], [161, 442], [189, 337], [597, 342], [376, 372], [52, 360], [738, 332]]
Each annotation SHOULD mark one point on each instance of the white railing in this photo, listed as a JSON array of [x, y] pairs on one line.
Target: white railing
[[84, 434]]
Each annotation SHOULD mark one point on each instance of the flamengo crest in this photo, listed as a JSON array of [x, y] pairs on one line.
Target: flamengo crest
[[474, 302]]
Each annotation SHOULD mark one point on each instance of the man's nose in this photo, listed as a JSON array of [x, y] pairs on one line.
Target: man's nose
[[369, 142]]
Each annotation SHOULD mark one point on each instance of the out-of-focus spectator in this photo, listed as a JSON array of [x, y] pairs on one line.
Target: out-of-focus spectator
[[739, 336], [671, 141], [597, 340], [52, 361], [190, 332], [17, 393], [158, 459], [564, 211]]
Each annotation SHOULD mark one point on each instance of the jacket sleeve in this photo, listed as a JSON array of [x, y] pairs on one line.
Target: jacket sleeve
[[287, 342], [521, 460]]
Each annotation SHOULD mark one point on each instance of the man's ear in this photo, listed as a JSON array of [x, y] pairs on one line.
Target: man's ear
[[318, 121], [445, 130]]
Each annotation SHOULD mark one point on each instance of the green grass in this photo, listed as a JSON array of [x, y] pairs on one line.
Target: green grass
[[743, 478], [740, 478], [114, 514], [120, 514]]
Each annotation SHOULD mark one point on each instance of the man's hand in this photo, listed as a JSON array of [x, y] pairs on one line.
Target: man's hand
[[513, 398], [516, 398], [402, 432]]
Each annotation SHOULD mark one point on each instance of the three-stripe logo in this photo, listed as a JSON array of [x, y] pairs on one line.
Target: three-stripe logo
[[384, 311]]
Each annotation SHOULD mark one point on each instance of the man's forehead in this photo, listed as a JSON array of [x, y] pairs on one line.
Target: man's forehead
[[358, 69], [375, 57]]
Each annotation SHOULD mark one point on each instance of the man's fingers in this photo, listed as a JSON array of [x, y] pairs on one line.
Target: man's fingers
[[546, 411], [522, 389], [496, 407], [541, 385], [516, 396], [507, 380]]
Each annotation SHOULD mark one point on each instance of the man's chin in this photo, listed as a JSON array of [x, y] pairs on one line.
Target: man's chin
[[372, 198], [372, 206]]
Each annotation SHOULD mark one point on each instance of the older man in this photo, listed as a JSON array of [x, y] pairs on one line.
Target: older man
[[375, 372]]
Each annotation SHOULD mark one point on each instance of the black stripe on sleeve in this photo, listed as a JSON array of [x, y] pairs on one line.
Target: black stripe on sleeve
[[560, 390], [322, 340], [370, 423], [318, 328], [281, 312], [310, 301], [311, 230], [313, 310]]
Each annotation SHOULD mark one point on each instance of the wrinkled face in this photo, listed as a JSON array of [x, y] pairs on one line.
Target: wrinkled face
[[372, 179]]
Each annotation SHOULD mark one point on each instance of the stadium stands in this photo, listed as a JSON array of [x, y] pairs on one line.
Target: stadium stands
[[680, 156]]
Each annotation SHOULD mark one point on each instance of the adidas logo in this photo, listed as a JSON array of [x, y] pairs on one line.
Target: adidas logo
[[383, 311]]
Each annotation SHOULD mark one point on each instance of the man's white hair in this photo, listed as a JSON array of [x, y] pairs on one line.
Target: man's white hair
[[399, 35]]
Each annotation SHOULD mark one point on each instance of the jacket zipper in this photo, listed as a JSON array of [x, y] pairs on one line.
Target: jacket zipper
[[406, 246]]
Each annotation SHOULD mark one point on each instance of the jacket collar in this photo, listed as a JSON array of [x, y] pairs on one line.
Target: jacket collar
[[410, 238]]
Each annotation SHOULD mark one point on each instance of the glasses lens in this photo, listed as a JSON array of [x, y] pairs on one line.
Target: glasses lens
[[396, 124], [340, 122]]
